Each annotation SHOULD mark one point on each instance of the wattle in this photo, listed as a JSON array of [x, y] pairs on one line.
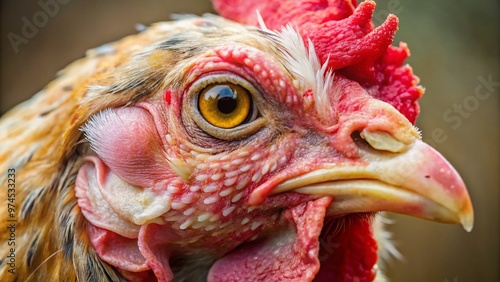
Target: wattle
[[305, 250]]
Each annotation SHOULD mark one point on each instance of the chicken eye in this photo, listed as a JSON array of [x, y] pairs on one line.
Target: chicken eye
[[225, 105]]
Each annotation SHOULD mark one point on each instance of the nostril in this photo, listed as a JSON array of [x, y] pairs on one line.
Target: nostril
[[383, 141], [360, 141]]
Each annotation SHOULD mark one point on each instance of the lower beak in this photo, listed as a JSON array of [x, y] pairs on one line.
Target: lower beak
[[418, 182]]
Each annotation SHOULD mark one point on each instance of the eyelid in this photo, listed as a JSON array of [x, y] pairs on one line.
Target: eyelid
[[206, 80]]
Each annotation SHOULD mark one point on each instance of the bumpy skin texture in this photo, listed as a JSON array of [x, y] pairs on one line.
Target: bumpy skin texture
[[343, 35], [120, 177]]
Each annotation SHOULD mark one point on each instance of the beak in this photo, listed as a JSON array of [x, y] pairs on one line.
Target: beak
[[417, 182]]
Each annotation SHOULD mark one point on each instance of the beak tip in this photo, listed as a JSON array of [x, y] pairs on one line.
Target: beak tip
[[467, 221]]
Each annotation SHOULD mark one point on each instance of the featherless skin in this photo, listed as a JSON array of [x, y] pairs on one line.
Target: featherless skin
[[210, 150]]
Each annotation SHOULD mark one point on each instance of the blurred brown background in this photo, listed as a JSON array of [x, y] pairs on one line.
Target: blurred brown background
[[455, 46]]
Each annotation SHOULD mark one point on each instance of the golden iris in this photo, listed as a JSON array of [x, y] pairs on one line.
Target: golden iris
[[225, 105]]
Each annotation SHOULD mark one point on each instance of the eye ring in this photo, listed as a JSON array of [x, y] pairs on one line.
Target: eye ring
[[236, 117]]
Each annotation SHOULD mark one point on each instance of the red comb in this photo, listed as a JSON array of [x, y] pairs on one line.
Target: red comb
[[345, 35]]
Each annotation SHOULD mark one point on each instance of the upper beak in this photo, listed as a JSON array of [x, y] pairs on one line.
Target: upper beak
[[417, 182]]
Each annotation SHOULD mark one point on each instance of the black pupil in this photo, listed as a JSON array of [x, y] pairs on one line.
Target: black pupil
[[226, 105], [227, 100]]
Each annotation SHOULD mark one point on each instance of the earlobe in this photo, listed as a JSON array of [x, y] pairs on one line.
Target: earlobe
[[118, 215], [113, 238], [114, 204], [94, 206]]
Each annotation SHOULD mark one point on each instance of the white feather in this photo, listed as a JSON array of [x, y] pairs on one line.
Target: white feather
[[304, 65]]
